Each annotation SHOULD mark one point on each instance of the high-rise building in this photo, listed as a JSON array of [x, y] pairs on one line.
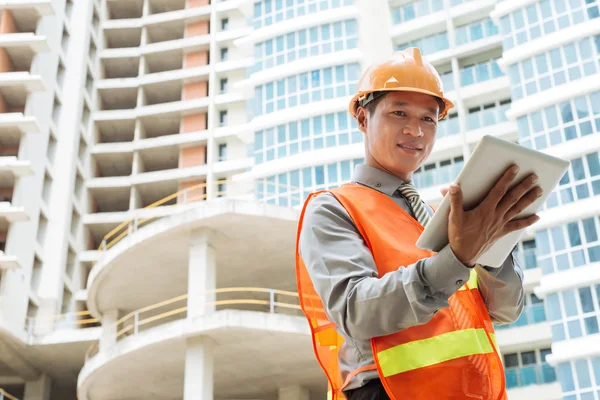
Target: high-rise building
[[551, 55], [154, 155]]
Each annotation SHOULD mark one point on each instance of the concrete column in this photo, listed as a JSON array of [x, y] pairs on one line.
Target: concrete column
[[198, 379], [39, 389], [211, 187], [61, 199], [109, 330], [293, 393], [202, 274]]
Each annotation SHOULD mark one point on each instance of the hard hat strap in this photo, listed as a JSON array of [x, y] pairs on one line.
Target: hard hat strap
[[370, 97]]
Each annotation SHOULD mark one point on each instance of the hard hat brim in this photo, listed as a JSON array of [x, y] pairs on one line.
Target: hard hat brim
[[355, 100]]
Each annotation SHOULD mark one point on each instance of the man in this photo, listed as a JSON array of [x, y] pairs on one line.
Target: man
[[390, 320]]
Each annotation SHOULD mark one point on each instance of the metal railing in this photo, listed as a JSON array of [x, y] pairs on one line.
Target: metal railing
[[5, 395], [72, 320], [196, 193], [261, 299]]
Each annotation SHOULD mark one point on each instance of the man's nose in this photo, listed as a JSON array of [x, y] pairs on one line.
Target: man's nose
[[412, 128]]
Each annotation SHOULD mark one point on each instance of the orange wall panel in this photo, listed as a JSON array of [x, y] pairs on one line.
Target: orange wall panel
[[7, 23], [198, 3], [193, 123], [195, 90], [196, 194], [5, 63], [17, 109], [192, 156], [196, 59], [197, 29]]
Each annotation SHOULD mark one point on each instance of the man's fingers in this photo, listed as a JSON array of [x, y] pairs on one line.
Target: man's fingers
[[523, 203], [444, 191], [500, 188], [516, 195], [519, 224], [456, 207]]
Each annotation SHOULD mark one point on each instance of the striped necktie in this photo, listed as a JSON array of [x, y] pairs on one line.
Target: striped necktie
[[409, 191]]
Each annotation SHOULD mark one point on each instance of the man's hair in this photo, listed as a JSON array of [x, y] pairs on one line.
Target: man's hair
[[371, 106]]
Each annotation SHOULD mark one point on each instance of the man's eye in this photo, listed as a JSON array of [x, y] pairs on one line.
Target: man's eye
[[401, 113], [428, 119]]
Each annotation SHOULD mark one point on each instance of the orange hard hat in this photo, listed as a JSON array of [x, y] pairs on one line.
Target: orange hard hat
[[405, 71]]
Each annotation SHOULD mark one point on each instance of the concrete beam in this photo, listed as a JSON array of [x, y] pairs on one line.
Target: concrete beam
[[11, 380], [10, 357]]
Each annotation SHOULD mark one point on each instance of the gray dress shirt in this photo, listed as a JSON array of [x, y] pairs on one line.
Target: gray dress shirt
[[364, 306]]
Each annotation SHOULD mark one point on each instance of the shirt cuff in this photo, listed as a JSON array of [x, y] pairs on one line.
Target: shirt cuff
[[445, 273]]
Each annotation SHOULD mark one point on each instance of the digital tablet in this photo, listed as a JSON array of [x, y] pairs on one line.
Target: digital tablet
[[490, 159]]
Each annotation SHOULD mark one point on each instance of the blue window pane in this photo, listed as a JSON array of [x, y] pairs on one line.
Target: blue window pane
[[565, 374], [587, 302], [558, 239], [578, 258], [589, 228], [553, 307], [320, 175], [307, 178], [558, 333], [574, 237], [332, 173], [570, 303], [551, 117], [543, 242], [346, 171], [583, 374], [596, 367], [593, 163], [594, 253], [574, 328], [591, 325], [562, 261]]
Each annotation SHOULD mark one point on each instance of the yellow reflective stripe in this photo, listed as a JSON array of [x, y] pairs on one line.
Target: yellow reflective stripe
[[472, 281], [329, 395], [431, 351]]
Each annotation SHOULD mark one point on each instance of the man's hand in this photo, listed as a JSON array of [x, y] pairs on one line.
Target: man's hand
[[472, 233]]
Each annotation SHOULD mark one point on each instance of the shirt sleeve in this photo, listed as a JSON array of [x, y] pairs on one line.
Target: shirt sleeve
[[345, 276], [502, 290]]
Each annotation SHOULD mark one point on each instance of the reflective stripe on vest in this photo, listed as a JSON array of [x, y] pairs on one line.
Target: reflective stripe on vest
[[472, 283], [434, 350]]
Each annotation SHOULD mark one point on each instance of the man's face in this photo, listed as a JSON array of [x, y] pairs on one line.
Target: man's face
[[400, 134]]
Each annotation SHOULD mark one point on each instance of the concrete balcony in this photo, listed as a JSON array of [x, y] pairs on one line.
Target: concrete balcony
[[183, 107], [185, 16], [26, 13], [159, 350], [548, 391], [16, 86], [14, 167], [234, 64], [8, 262], [181, 75], [10, 213], [22, 47], [524, 338], [155, 177], [15, 125]]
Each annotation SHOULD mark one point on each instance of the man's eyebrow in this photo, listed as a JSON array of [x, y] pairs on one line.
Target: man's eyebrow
[[403, 104]]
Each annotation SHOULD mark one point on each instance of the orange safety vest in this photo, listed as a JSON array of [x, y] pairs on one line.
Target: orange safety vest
[[453, 356]]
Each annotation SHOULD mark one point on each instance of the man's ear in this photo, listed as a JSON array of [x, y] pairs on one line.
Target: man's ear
[[362, 118]]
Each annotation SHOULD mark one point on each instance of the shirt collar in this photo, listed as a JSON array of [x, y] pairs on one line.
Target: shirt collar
[[376, 179]]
